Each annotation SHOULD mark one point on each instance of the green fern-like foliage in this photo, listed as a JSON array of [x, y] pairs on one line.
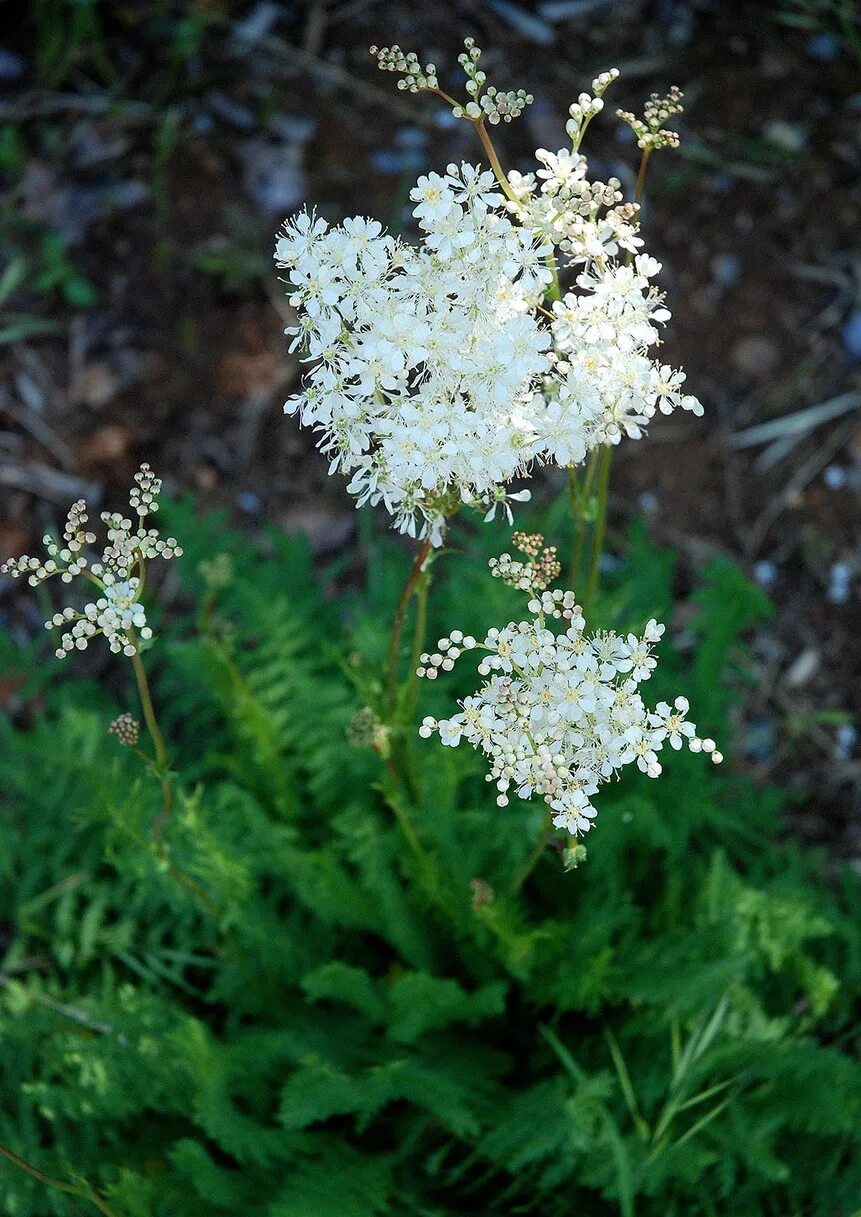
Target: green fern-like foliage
[[296, 1014]]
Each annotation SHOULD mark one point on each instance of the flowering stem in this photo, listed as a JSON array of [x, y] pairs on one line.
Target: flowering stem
[[535, 855], [398, 626], [641, 176], [604, 463], [495, 163], [554, 291], [579, 507], [161, 763], [638, 192], [422, 591]]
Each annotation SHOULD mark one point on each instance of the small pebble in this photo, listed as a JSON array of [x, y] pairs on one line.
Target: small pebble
[[648, 502], [851, 334], [760, 739], [257, 23], [726, 269], [764, 573], [839, 577], [249, 501], [823, 47], [445, 119], [803, 668], [388, 160], [755, 355], [11, 66], [844, 742], [791, 137], [411, 139], [835, 477]]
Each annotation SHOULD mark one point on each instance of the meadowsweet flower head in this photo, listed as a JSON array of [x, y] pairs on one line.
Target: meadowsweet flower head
[[560, 711], [118, 575], [537, 573], [484, 101], [649, 130], [127, 729], [415, 78], [438, 374], [424, 359], [366, 730]]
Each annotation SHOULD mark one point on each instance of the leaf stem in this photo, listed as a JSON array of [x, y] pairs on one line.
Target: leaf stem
[[83, 1189]]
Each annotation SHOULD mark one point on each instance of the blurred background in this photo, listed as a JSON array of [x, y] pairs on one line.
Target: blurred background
[[149, 151]]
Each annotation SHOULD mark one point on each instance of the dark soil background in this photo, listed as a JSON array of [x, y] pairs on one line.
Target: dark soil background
[[149, 151]]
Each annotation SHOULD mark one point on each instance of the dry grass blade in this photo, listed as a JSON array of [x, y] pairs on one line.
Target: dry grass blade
[[797, 424]]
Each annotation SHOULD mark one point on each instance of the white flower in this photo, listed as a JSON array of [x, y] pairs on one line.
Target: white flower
[[117, 612], [437, 377], [560, 712]]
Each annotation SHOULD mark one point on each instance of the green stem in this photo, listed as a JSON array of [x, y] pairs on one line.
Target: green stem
[[422, 591], [641, 176], [191, 885], [398, 627], [638, 192], [401, 816], [600, 524], [579, 497], [495, 163], [71, 1189], [534, 856], [554, 291], [161, 763]]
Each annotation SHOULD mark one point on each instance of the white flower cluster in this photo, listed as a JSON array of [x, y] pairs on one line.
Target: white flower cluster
[[117, 612], [439, 375], [561, 712], [425, 359]]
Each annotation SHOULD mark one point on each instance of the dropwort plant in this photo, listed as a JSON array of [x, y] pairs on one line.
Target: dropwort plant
[[117, 613], [516, 334], [519, 332]]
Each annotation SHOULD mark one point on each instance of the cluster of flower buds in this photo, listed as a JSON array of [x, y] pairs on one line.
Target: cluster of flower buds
[[66, 560], [587, 105], [536, 574], [560, 713], [498, 106], [366, 730], [489, 103], [415, 77], [649, 130], [127, 730], [117, 612], [449, 650]]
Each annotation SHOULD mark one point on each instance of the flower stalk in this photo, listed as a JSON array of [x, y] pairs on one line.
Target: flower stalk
[[409, 587], [161, 763]]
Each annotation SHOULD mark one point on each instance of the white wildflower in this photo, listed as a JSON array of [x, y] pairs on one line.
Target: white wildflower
[[438, 376], [116, 612], [560, 712]]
